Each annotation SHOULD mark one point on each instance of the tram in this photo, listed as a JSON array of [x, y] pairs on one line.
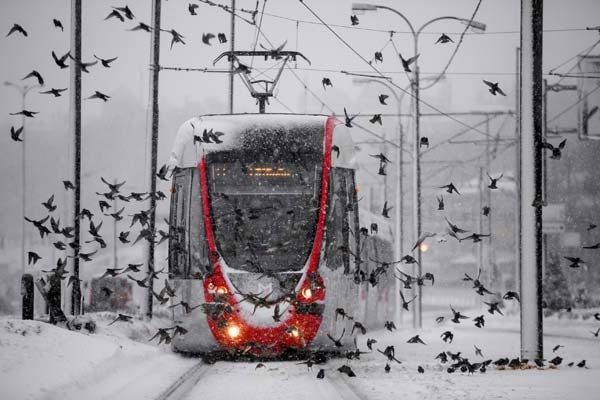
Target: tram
[[266, 245]]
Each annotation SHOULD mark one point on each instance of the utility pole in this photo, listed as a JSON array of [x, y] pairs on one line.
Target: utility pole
[[75, 129], [417, 305], [23, 90], [232, 48], [115, 205], [151, 169], [531, 179]]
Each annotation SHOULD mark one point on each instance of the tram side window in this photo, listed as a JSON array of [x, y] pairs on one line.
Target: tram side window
[[187, 247], [337, 235]]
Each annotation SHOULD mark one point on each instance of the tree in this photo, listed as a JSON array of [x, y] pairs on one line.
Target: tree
[[556, 290]]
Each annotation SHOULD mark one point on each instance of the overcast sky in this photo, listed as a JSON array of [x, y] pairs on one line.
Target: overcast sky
[[114, 140]]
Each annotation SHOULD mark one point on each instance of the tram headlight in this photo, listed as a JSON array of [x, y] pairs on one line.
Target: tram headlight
[[233, 331], [221, 290], [294, 332], [307, 293]]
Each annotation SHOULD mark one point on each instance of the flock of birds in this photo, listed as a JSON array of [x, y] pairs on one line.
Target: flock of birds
[[63, 234], [119, 13]]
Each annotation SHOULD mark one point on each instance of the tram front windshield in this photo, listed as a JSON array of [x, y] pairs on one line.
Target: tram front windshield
[[264, 207]]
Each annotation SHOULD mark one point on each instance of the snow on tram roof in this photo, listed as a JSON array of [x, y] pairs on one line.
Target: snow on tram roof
[[234, 126]]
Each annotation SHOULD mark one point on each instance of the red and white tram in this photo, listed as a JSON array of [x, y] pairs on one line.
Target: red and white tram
[[265, 236]]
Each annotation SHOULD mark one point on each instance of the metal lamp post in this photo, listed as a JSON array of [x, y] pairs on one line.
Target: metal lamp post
[[24, 90], [477, 26], [398, 244]]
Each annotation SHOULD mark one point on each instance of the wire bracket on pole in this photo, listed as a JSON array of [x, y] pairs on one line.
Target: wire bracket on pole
[[261, 95]]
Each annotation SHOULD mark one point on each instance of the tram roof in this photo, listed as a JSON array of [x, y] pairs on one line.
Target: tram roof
[[236, 126]]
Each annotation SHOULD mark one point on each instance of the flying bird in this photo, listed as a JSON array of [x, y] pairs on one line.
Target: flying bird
[[494, 88], [207, 37], [49, 204], [447, 337], [510, 295], [162, 172], [141, 27], [457, 316], [176, 37], [16, 134], [125, 10], [389, 325], [450, 188], [383, 98], [382, 158], [376, 118], [326, 82], [494, 181], [386, 210], [192, 8], [32, 257], [55, 92], [422, 238], [99, 95], [556, 151], [476, 237], [58, 24], [105, 62], [68, 185], [440, 200], [17, 28], [576, 262], [115, 14], [348, 119], [61, 61], [354, 20], [222, 38], [416, 339], [82, 65], [26, 113], [37, 75], [378, 56], [592, 246], [406, 63], [404, 302], [444, 39]]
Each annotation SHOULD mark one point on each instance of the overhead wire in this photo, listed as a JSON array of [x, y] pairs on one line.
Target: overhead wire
[[303, 2], [258, 28], [354, 27], [456, 48], [567, 109]]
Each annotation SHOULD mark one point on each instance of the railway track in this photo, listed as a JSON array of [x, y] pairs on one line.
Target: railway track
[[339, 386], [336, 384], [185, 383]]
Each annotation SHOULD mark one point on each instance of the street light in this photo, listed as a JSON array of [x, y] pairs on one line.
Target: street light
[[24, 89], [415, 84]]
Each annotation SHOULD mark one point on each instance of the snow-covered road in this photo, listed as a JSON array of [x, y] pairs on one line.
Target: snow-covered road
[[40, 361]]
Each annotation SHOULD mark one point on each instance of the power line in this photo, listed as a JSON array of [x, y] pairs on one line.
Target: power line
[[376, 70], [258, 28], [296, 20], [573, 105], [587, 51], [460, 40]]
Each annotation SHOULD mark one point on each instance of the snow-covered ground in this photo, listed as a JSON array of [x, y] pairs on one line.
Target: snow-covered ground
[[41, 361]]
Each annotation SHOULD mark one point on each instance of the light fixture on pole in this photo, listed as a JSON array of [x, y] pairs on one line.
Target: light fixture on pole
[[478, 27]]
